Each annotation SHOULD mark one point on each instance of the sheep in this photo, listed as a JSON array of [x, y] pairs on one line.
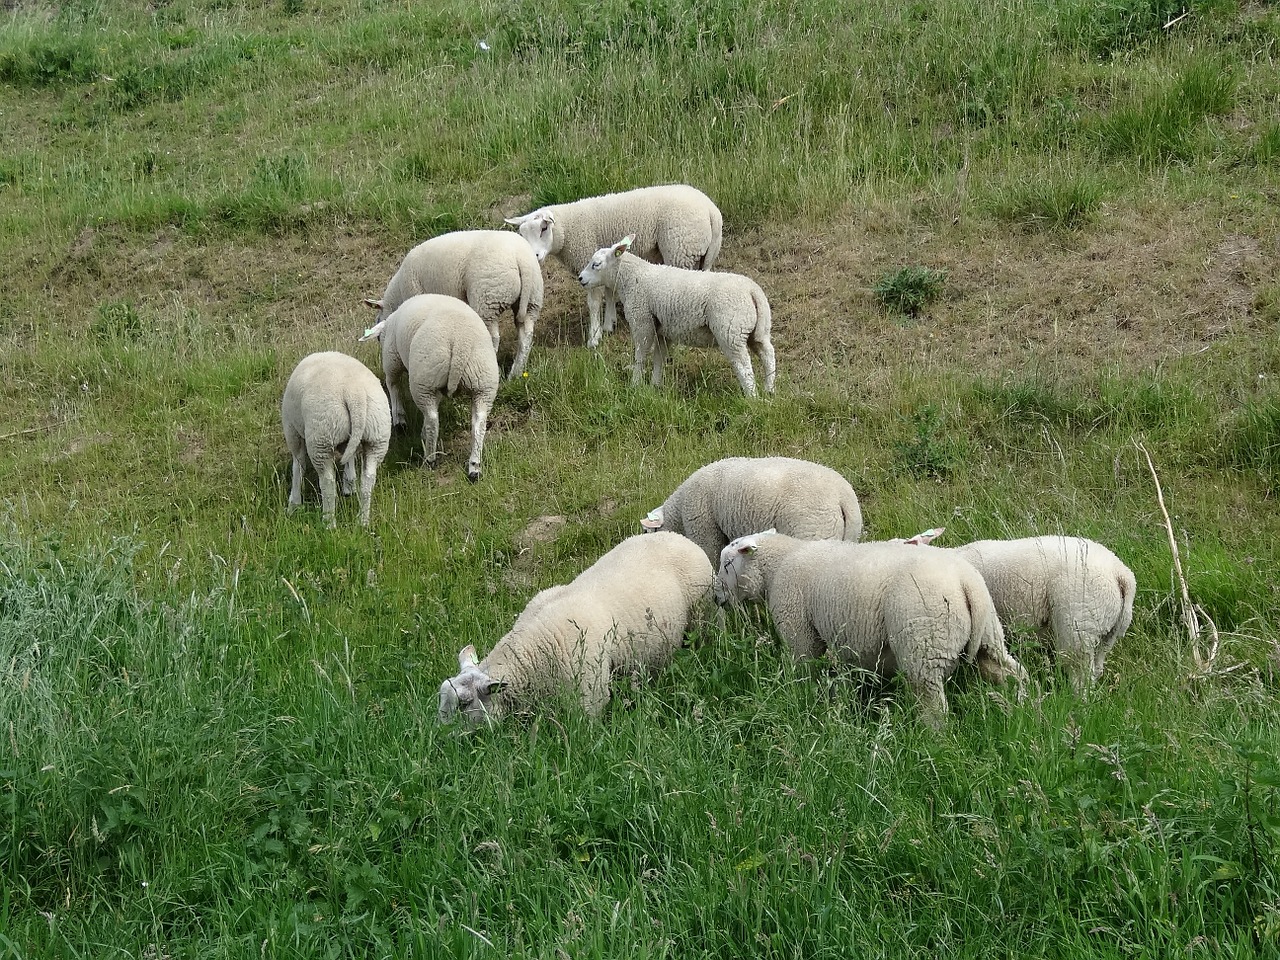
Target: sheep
[[884, 607], [733, 497], [673, 224], [1073, 589], [440, 345], [626, 612], [492, 270], [334, 408], [671, 305]]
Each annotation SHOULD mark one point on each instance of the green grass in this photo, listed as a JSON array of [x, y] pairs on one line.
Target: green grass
[[217, 721]]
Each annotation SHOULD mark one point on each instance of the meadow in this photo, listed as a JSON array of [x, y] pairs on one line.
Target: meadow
[[1009, 247]]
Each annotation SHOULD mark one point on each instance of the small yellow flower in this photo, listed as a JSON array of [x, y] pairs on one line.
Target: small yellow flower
[[525, 374]]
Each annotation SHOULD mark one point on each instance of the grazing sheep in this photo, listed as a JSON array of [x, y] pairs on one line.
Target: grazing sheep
[[1074, 589], [334, 408], [626, 612], [673, 224], [736, 496], [492, 270], [448, 349], [670, 305], [884, 607]]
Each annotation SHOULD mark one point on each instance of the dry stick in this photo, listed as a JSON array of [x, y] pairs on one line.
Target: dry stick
[[1191, 612], [44, 426]]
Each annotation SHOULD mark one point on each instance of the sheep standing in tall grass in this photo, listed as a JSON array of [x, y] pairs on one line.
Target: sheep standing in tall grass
[[627, 612], [673, 224], [334, 409], [883, 607], [666, 305], [737, 496], [1073, 589]]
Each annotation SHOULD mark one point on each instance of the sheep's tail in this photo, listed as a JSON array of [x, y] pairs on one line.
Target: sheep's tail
[[455, 372], [357, 406], [526, 289], [717, 237], [764, 314], [986, 637], [851, 514], [1128, 586]]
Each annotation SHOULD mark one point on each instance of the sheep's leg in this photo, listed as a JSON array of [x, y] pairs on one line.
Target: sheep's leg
[[768, 363], [328, 491], [659, 358], [524, 341], [430, 427], [610, 311], [493, 334], [740, 360], [595, 299], [295, 492], [397, 402], [369, 478], [932, 700], [644, 334], [480, 407]]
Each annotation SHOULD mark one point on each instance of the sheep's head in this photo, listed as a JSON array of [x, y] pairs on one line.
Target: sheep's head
[[653, 522], [538, 228], [471, 693], [602, 268], [737, 580]]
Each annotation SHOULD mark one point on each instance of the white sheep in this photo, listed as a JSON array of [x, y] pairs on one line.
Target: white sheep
[[627, 612], [673, 224], [884, 607], [440, 345], [736, 496], [492, 270], [1073, 589], [334, 409], [667, 305]]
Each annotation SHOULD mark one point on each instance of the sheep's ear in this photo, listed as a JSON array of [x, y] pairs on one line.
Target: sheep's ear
[[467, 657], [928, 536], [653, 521], [374, 331], [516, 221], [494, 686], [623, 245], [369, 302]]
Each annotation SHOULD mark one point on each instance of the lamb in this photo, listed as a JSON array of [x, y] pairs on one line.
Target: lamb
[[673, 224], [440, 345], [884, 607], [733, 497], [1076, 590], [334, 408], [672, 305], [626, 612], [492, 270]]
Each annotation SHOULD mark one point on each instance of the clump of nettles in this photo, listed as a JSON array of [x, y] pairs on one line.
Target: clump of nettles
[[910, 289]]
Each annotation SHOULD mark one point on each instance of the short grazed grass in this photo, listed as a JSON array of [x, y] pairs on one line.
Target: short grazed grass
[[217, 722]]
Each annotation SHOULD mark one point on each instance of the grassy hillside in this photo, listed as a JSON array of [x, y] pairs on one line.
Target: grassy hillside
[[217, 723]]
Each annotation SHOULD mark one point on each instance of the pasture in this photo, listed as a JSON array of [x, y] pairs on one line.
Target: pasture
[[1009, 247]]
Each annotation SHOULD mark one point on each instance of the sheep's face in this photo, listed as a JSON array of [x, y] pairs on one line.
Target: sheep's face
[[539, 229], [471, 693], [738, 578], [653, 522], [602, 269]]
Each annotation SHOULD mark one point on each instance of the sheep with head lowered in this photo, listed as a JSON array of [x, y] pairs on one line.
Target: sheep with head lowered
[[627, 612], [736, 496], [334, 409], [439, 345], [1073, 589], [884, 607], [673, 224], [492, 270], [666, 305]]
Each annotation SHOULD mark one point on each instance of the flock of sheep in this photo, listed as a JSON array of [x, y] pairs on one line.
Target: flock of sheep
[[775, 530]]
